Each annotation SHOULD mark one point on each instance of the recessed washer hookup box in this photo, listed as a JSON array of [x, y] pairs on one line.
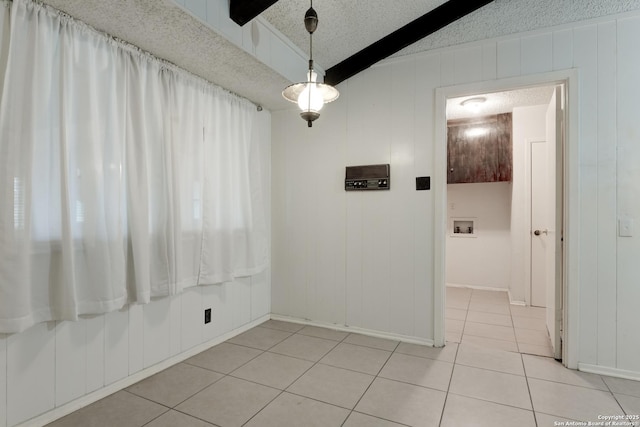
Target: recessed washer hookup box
[[367, 177]]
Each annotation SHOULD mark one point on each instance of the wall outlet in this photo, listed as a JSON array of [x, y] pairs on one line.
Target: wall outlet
[[207, 316]]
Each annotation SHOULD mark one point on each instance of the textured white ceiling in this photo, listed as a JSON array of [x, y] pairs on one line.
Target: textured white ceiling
[[499, 102], [345, 27]]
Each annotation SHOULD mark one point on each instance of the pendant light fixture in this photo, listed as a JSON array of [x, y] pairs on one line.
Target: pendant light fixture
[[310, 95]]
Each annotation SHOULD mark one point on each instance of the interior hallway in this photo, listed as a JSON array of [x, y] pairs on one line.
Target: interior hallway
[[286, 374], [486, 318]]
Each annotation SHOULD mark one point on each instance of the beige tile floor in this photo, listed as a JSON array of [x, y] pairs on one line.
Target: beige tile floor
[[283, 374], [486, 318]]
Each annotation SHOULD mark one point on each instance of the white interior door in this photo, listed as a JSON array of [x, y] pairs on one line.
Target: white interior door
[[554, 126], [541, 204]]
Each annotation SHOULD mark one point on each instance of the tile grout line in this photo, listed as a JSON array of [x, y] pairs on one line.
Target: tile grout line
[[371, 383], [533, 409], [314, 363], [446, 396]]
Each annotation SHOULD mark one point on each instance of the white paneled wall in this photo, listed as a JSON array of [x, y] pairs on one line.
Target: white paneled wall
[[61, 363], [627, 249], [53, 363], [382, 259]]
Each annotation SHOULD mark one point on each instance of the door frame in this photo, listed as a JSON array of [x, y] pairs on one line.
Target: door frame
[[571, 201]]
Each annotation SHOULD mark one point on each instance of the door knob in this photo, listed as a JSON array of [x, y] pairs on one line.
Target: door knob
[[537, 232]]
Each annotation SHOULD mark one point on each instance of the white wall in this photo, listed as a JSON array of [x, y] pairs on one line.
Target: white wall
[[53, 364], [484, 259], [367, 259], [528, 126], [361, 259]]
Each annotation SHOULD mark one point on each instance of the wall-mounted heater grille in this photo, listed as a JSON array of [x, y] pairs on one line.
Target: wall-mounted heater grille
[[368, 177]]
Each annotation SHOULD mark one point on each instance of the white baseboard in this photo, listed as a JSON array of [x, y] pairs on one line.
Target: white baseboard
[[489, 288], [344, 328], [610, 372], [477, 287], [105, 391]]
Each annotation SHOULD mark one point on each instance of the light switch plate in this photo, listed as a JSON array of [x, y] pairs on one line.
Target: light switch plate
[[625, 228]]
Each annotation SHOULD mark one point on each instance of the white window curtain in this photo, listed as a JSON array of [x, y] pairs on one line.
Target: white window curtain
[[121, 178]]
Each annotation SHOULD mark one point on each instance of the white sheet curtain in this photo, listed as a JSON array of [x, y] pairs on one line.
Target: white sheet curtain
[[121, 178]]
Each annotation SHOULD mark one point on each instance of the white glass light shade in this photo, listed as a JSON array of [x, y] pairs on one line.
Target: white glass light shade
[[310, 99], [320, 94]]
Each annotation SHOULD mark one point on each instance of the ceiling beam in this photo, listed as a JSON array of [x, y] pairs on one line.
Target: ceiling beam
[[427, 24], [243, 11]]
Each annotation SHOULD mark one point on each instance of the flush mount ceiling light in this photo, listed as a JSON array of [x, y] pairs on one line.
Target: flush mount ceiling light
[[474, 103], [310, 95]]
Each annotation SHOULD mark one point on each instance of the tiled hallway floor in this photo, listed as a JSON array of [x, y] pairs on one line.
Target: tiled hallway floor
[[283, 374], [486, 318]]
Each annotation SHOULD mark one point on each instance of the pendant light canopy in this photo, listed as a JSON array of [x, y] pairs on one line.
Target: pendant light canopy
[[310, 95]]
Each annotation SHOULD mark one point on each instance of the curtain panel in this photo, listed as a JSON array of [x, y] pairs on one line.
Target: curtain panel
[[122, 178]]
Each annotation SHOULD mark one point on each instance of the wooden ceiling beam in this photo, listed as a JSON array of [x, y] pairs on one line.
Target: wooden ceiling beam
[[243, 11], [428, 23]]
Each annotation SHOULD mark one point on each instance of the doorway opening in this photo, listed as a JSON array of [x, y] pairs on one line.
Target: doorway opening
[[517, 242]]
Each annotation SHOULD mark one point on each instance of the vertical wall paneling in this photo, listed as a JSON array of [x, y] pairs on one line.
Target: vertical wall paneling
[[30, 372], [376, 263], [279, 176], [175, 324], [192, 317], [468, 64], [230, 29], [136, 335], [3, 380], [213, 12], [216, 298], [356, 112], [116, 345], [241, 293], [293, 66], [260, 295], [563, 49], [585, 56], [402, 246], [261, 41], [428, 70], [508, 58], [354, 239], [247, 37], [95, 351], [489, 61], [448, 68], [156, 335], [325, 279], [70, 361], [607, 208], [539, 53], [197, 7], [628, 248], [298, 203], [377, 209]]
